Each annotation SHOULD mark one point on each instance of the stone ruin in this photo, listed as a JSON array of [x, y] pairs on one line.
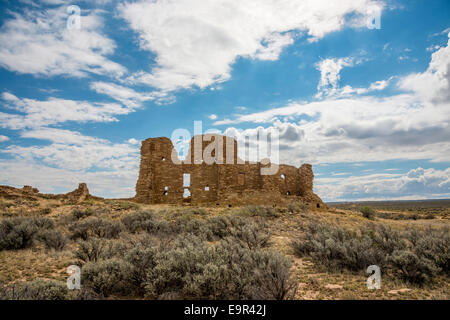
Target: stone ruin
[[161, 181], [29, 193]]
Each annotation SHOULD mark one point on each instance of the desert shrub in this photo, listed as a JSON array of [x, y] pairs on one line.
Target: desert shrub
[[219, 226], [193, 226], [401, 216], [261, 211], [141, 259], [434, 245], [194, 269], [140, 221], [337, 248], [97, 227], [79, 213], [42, 223], [45, 211], [184, 212], [414, 255], [19, 233], [273, 280], [126, 205], [178, 271], [413, 268], [367, 212], [254, 235], [385, 238], [297, 207], [53, 239], [107, 277], [95, 249], [36, 290]]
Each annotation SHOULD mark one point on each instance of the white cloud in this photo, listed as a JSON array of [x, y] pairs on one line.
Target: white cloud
[[347, 91], [196, 42], [330, 69], [329, 74], [133, 141], [360, 129], [433, 84], [73, 151], [3, 138], [126, 96], [37, 42], [36, 113], [418, 183], [212, 116], [347, 127]]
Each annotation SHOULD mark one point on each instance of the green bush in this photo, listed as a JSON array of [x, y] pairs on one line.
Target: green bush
[[53, 239], [107, 277], [79, 213], [434, 245], [194, 269], [273, 279], [413, 268], [140, 221], [254, 235], [254, 211], [415, 255], [95, 249], [142, 260], [367, 212], [36, 290], [97, 227], [297, 207], [19, 233], [337, 248]]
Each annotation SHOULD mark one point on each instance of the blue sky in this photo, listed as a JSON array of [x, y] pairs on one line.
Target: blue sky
[[368, 107]]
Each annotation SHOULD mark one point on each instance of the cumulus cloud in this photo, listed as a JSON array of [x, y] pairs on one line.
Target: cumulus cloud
[[127, 96], [433, 84], [3, 138], [37, 113], [330, 69], [353, 128], [38, 42], [329, 74], [73, 151], [418, 183], [196, 42], [133, 141]]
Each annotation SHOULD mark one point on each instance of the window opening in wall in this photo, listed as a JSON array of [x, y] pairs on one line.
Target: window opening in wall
[[163, 159], [186, 180], [207, 188], [166, 190], [283, 177]]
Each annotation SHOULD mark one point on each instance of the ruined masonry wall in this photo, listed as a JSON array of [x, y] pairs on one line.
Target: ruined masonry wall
[[161, 181]]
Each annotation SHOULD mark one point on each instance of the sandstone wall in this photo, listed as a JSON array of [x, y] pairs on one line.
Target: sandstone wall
[[161, 180]]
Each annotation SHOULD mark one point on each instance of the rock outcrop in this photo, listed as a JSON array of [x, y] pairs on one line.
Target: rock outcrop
[[29, 193], [80, 194]]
